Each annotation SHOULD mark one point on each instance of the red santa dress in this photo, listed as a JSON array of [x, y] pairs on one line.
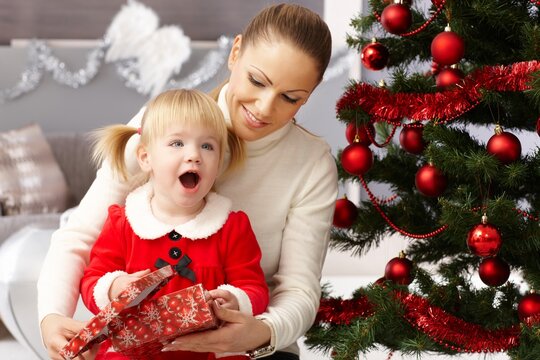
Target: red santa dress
[[220, 243]]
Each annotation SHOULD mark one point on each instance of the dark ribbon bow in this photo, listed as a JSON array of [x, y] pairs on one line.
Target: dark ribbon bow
[[180, 267]]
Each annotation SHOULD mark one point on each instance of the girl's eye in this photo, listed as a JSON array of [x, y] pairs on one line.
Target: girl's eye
[[289, 100], [255, 81], [208, 146], [177, 143]]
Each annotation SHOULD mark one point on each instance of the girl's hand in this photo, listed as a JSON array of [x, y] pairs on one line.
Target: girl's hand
[[225, 298], [239, 333], [122, 282]]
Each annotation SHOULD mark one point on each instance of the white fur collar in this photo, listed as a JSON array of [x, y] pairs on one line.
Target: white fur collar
[[146, 226]]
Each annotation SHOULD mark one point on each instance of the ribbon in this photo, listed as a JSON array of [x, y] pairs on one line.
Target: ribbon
[[180, 267]]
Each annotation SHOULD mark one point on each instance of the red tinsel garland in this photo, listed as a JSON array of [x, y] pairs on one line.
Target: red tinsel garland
[[442, 106], [442, 327]]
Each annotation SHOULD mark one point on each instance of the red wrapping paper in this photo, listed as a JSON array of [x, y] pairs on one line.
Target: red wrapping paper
[[139, 326]]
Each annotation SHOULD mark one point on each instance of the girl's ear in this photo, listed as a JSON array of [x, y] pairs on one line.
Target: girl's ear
[[235, 51], [143, 158]]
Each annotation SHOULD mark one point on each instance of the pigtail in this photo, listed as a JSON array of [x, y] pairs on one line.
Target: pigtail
[[237, 151], [110, 143]]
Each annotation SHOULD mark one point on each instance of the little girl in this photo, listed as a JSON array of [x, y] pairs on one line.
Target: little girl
[[175, 215]]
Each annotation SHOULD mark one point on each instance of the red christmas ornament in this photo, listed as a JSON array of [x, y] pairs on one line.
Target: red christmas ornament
[[449, 77], [435, 68], [363, 138], [411, 139], [430, 181], [375, 56], [529, 305], [396, 18], [484, 239], [356, 159], [437, 3], [345, 213], [494, 271], [504, 146], [538, 126], [399, 270], [447, 48]]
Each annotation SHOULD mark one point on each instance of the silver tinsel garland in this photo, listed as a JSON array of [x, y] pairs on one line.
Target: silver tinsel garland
[[42, 60]]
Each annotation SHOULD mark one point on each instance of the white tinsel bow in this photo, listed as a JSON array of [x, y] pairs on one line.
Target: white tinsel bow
[[159, 52]]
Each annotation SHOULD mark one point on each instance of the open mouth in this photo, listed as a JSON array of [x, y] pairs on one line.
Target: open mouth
[[189, 179]]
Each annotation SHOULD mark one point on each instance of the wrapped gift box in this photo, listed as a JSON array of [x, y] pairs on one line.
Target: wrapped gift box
[[139, 326]]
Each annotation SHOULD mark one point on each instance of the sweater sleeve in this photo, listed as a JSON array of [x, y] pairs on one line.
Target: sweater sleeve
[[68, 254], [106, 259], [296, 296], [242, 261]]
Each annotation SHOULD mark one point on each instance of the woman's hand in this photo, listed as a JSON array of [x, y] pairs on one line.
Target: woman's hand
[[240, 332], [122, 282], [57, 330]]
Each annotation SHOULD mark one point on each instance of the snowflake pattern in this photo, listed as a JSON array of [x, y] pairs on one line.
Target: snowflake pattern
[[129, 339], [116, 323], [164, 302], [86, 335], [131, 292], [187, 317], [151, 313], [68, 355], [108, 314]]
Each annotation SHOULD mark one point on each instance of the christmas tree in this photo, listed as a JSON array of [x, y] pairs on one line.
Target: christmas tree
[[468, 205]]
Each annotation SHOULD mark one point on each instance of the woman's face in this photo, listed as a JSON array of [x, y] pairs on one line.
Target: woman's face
[[269, 83]]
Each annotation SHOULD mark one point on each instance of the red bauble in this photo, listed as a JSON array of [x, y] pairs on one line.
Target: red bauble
[[411, 139], [375, 56], [356, 159], [399, 270], [538, 126], [449, 77], [363, 138], [345, 213], [529, 306], [396, 18], [435, 68], [484, 240], [430, 181], [447, 48], [437, 3], [504, 146], [494, 271]]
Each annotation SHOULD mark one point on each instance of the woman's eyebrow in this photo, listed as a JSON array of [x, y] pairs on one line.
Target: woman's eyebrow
[[271, 83]]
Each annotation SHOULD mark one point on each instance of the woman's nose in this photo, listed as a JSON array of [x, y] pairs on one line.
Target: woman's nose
[[265, 104]]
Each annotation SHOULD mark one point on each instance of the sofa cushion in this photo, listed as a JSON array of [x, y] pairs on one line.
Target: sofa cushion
[[31, 181]]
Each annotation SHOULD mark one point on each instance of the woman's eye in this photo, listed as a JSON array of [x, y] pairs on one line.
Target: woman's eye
[[290, 100], [255, 81], [208, 146], [177, 143]]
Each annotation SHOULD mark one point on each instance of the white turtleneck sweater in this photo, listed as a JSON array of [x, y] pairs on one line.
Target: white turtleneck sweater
[[288, 188]]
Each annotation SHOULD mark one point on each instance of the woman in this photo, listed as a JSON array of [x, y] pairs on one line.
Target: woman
[[287, 186]]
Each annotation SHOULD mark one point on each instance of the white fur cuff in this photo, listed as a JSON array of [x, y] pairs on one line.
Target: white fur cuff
[[101, 290]]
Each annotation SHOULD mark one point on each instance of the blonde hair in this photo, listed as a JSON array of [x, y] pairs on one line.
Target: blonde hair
[[187, 107]]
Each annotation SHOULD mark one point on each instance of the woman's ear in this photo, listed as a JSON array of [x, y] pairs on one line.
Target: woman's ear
[[235, 51], [143, 158]]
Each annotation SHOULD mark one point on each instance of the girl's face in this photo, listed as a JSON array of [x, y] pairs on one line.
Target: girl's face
[[269, 83], [183, 166]]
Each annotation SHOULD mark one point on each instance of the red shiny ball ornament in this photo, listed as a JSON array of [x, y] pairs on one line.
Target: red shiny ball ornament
[[504, 146], [447, 48], [529, 305], [399, 270], [437, 3], [363, 138], [484, 240], [435, 68], [356, 159], [411, 139], [449, 77], [494, 271], [430, 181], [396, 18], [345, 213], [375, 56]]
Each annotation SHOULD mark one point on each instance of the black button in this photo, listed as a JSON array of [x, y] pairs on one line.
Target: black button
[[175, 253], [173, 235]]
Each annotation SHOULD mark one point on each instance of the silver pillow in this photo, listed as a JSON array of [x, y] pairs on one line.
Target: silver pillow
[[31, 181]]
